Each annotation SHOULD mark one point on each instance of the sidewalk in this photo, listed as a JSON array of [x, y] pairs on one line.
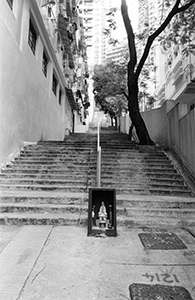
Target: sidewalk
[[62, 263]]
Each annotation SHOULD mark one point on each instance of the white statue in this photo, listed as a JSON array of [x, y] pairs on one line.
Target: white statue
[[102, 212]]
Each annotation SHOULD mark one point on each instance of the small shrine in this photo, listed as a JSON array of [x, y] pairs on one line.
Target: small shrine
[[102, 211]]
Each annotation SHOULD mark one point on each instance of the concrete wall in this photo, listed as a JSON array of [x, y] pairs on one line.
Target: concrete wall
[[182, 135], [171, 126], [29, 110], [157, 123]]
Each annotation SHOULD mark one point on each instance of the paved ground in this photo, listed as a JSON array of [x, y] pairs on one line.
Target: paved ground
[[45, 262]]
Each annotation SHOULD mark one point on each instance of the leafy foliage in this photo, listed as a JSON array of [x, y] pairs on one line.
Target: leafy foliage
[[180, 30], [109, 86]]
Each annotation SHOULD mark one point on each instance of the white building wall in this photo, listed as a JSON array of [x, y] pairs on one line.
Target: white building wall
[[29, 110], [176, 73]]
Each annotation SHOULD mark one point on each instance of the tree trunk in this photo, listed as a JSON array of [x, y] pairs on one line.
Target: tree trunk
[[134, 113], [132, 81], [116, 122], [111, 118]]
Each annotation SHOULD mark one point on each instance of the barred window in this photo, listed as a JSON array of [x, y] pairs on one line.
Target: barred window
[[10, 2], [44, 64], [54, 84], [32, 37]]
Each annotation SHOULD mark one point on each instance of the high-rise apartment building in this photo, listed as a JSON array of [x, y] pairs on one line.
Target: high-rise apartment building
[[93, 13]]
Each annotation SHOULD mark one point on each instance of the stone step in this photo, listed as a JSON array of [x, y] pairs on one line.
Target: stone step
[[54, 150], [69, 140], [143, 184], [39, 187], [51, 162], [136, 189], [39, 219], [48, 167], [56, 197], [40, 181], [110, 171], [130, 155], [115, 171], [79, 198], [104, 163], [40, 208], [112, 153], [135, 166], [127, 163], [86, 146], [150, 219], [156, 222], [46, 171], [129, 147], [59, 155], [92, 156], [105, 177], [105, 168], [146, 186], [56, 176], [153, 191], [62, 149], [129, 181], [156, 202]]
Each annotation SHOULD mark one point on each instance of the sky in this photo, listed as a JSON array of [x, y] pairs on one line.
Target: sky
[[133, 15]]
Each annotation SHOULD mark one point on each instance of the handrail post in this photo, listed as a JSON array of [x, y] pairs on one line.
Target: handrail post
[[99, 167], [98, 157]]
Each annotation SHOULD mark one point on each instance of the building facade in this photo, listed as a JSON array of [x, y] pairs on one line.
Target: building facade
[[43, 79], [93, 13], [176, 74]]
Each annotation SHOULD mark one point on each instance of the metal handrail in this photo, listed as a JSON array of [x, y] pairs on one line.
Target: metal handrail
[[98, 156]]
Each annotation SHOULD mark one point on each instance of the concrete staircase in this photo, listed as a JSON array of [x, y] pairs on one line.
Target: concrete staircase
[[48, 183]]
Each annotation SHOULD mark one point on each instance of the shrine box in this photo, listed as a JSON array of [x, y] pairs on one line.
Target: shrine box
[[102, 217]]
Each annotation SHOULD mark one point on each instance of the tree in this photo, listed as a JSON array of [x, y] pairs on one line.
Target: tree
[[134, 69], [109, 82]]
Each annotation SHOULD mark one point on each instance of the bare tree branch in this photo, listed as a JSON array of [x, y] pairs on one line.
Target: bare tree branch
[[152, 37], [125, 95], [186, 6]]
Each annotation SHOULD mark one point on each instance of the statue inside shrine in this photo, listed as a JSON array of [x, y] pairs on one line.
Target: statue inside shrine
[[101, 219], [102, 212], [102, 215]]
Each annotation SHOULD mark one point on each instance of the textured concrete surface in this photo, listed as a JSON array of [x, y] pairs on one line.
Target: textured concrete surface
[[45, 262]]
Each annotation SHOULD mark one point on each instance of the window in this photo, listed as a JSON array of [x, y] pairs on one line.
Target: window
[[32, 37], [10, 2], [44, 64], [49, 12], [54, 85], [60, 97], [192, 106]]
